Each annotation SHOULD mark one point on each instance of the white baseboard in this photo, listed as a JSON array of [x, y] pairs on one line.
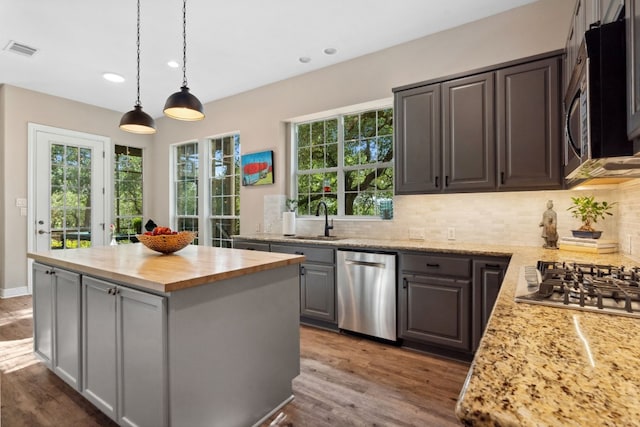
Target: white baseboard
[[14, 292]]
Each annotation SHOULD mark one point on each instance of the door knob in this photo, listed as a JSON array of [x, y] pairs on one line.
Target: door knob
[[43, 232]]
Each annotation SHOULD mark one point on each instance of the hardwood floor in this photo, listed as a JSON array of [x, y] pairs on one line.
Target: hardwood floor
[[344, 381]]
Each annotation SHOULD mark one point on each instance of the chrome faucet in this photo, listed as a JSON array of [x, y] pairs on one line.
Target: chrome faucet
[[327, 227]]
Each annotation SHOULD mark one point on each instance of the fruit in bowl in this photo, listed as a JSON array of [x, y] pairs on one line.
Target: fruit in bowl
[[166, 241]]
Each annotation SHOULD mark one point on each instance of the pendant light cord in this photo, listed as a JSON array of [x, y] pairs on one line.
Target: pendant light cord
[[138, 56], [184, 43]]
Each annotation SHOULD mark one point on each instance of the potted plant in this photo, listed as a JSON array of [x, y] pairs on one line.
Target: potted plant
[[588, 210], [289, 218]]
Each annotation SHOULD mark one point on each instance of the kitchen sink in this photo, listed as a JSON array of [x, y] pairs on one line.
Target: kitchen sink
[[315, 237]]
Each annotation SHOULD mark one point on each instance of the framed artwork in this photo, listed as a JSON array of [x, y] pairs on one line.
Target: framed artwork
[[257, 168]]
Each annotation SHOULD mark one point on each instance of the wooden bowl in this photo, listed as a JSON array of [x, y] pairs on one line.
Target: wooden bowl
[[167, 243]]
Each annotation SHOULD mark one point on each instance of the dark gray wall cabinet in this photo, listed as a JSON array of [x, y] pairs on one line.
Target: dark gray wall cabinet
[[528, 125], [632, 10], [488, 131]]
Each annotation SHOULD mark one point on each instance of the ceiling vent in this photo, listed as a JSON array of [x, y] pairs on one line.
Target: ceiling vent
[[21, 49]]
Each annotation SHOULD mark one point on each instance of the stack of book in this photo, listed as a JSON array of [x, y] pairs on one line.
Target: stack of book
[[595, 246]]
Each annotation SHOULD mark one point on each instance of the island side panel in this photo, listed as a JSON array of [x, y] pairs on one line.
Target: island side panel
[[234, 348]]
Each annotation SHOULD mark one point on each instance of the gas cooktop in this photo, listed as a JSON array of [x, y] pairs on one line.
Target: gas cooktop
[[599, 288]]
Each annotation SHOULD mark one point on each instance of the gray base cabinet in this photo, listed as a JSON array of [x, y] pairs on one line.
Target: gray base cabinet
[[488, 274], [125, 353], [446, 300], [317, 281], [435, 300], [317, 292], [56, 305], [436, 311]]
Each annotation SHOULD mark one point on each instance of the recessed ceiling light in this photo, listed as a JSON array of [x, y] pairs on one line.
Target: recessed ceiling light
[[113, 77], [304, 59], [173, 64], [330, 50]]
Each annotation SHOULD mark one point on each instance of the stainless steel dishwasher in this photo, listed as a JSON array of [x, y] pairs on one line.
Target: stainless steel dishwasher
[[367, 293]]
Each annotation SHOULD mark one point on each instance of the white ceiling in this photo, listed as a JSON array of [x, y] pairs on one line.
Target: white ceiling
[[232, 45]]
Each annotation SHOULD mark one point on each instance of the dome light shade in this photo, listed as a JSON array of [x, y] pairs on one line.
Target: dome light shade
[[184, 105], [137, 121]]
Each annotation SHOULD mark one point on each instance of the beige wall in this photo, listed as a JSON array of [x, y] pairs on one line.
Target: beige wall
[[19, 107], [259, 115]]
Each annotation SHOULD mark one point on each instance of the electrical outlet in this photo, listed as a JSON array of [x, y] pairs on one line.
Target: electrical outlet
[[451, 233], [257, 227], [416, 233]]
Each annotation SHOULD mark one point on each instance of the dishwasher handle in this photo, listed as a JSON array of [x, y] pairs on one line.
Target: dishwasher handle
[[365, 263]]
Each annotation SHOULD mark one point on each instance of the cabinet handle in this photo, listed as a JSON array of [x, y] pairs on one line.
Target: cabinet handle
[[433, 265], [437, 183], [502, 178], [110, 291], [301, 270], [446, 181], [404, 283], [299, 253]]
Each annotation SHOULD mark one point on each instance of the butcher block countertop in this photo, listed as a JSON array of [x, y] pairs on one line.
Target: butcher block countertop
[[538, 365], [137, 265]]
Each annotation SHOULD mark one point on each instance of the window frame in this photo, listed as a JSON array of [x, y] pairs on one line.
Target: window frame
[[340, 169]]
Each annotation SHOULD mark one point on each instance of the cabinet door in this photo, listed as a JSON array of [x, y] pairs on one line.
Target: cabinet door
[[43, 313], [436, 311], [418, 140], [318, 292], [67, 330], [528, 126], [468, 133], [632, 8], [488, 275], [142, 358], [99, 345]]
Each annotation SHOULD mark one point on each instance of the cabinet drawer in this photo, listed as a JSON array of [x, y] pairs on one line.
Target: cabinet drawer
[[436, 264], [252, 246], [313, 254]]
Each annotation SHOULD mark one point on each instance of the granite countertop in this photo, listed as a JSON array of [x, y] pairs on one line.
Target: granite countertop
[[137, 265], [538, 365]]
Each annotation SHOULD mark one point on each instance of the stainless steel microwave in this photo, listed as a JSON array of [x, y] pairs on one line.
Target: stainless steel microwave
[[596, 143]]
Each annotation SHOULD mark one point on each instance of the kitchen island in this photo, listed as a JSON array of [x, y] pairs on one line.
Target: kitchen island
[[203, 337], [538, 365]]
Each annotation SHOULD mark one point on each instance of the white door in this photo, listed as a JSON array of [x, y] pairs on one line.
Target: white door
[[68, 188]]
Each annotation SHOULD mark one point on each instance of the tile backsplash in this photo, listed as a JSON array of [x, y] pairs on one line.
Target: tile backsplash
[[503, 218]]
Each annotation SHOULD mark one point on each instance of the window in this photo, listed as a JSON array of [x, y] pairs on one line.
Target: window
[[186, 187], [224, 185], [345, 161], [127, 193], [207, 199]]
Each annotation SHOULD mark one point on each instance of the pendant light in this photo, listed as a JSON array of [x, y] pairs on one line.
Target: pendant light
[[183, 105], [136, 120]]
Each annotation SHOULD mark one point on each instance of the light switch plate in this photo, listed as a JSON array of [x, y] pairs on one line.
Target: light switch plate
[[21, 203], [451, 233]]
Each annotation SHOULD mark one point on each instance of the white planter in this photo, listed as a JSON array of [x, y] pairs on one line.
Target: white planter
[[289, 223]]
